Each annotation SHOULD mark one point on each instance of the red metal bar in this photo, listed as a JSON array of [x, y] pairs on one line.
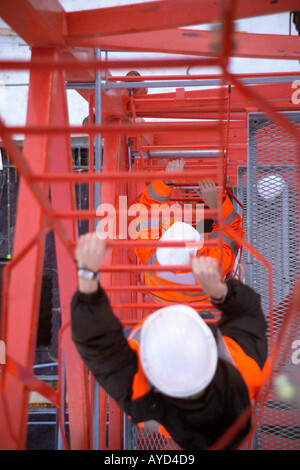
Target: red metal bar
[[199, 101], [155, 305], [198, 42], [6, 275], [61, 416], [113, 128], [91, 163], [132, 323], [241, 248], [26, 276], [121, 176], [277, 93], [132, 106], [31, 381], [157, 15], [116, 274], [226, 146], [39, 23], [131, 288], [87, 214], [111, 162], [237, 237], [289, 128], [272, 112], [7, 421], [42, 24], [38, 192], [94, 65], [63, 197]]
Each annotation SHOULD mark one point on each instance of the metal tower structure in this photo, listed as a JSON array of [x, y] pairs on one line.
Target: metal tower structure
[[240, 130]]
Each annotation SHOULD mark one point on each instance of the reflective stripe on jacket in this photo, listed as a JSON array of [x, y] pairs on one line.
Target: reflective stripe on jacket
[[228, 350], [152, 229]]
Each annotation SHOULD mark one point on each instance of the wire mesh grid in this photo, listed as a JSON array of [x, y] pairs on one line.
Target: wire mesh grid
[[144, 439], [268, 189]]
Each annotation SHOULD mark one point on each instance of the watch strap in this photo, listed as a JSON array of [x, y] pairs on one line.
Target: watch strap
[[88, 270]]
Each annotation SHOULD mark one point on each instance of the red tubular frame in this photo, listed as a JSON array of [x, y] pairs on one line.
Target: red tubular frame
[[45, 162], [63, 197]]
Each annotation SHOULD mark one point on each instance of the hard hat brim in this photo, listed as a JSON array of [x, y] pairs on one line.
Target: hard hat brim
[[157, 374]]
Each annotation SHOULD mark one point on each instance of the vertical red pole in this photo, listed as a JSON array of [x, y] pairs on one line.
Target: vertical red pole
[[63, 198], [111, 159], [25, 284], [91, 162]]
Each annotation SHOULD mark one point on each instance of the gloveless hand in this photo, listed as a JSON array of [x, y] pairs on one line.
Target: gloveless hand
[[207, 274], [208, 192], [175, 166], [91, 251]]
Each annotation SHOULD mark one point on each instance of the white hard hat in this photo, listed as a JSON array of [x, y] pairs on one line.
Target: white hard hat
[[179, 231], [178, 351]]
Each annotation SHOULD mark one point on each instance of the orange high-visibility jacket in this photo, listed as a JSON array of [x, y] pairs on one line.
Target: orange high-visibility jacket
[[241, 336], [228, 349], [159, 193]]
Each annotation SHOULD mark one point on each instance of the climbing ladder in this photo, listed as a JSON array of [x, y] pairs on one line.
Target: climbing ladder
[[207, 119]]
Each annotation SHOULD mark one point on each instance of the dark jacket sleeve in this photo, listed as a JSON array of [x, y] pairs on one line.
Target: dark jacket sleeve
[[243, 320], [99, 339]]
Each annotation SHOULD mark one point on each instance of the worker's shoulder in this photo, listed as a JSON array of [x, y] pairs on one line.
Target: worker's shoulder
[[235, 286]]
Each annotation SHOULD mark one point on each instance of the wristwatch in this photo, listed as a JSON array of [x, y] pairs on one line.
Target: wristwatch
[[87, 274]]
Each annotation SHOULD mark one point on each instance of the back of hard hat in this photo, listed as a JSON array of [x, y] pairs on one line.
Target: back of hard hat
[[178, 351], [179, 231]]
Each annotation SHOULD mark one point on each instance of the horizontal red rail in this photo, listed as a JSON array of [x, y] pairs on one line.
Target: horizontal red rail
[[274, 114], [86, 214], [94, 65], [121, 176], [120, 129], [31, 381], [160, 244], [142, 176], [153, 288], [132, 323], [188, 99], [155, 305]]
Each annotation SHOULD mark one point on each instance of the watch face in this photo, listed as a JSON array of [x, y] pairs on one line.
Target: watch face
[[85, 274]]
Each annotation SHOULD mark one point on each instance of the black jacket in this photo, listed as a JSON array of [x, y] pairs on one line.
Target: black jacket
[[193, 424]]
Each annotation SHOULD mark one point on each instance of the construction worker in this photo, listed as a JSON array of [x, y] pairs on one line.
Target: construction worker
[[158, 193], [176, 374]]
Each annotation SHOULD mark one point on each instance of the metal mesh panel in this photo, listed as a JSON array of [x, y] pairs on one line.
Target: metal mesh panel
[[139, 438], [268, 189]]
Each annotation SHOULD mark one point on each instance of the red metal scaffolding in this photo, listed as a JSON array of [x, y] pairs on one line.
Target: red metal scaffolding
[[207, 119]]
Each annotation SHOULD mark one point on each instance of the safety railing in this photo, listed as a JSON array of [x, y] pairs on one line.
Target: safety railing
[[122, 277]]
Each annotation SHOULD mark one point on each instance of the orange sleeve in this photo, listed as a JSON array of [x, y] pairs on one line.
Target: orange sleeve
[[230, 244], [140, 384], [247, 366], [157, 193]]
